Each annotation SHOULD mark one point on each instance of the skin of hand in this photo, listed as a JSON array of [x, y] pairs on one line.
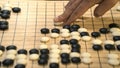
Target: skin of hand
[[76, 8]]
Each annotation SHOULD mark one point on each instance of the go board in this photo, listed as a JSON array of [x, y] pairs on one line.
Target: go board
[[24, 31]]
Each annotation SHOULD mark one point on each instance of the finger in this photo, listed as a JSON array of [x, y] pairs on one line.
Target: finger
[[104, 7], [67, 11], [69, 3], [79, 11]]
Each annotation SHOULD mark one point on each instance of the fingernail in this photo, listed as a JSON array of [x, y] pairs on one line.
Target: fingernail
[[97, 15], [56, 19]]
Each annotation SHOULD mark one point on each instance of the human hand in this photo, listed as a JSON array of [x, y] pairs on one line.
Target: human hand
[[76, 8]]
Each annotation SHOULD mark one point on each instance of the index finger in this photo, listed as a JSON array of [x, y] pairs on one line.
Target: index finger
[[79, 11]]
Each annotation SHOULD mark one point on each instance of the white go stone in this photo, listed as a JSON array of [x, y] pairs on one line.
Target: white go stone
[[54, 46], [10, 56], [82, 30], [97, 41], [65, 35], [54, 55], [109, 42], [66, 51], [44, 39], [86, 38], [114, 29], [86, 60], [117, 42], [34, 57], [114, 62], [58, 23], [54, 60], [21, 56], [57, 51], [74, 54], [76, 37], [64, 31], [12, 52], [21, 61], [116, 33], [6, 8], [118, 8], [113, 56], [85, 55], [7, 5], [54, 35], [65, 46], [74, 33], [43, 46], [1, 52]]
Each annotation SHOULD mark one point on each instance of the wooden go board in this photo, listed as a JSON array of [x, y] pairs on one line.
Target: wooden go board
[[24, 30]]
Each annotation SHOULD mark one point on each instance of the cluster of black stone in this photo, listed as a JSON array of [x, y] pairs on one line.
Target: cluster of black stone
[[72, 28], [101, 31], [47, 31], [5, 14], [43, 57], [4, 25], [9, 62], [21, 51]]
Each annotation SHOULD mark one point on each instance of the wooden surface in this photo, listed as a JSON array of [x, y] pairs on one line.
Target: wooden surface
[[24, 30]]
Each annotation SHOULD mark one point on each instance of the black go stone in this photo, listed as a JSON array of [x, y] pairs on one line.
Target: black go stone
[[16, 9], [72, 30], [44, 56], [0, 14], [75, 26], [113, 25], [65, 60], [22, 51], [64, 55], [76, 46], [5, 12], [8, 62], [75, 50], [73, 41], [116, 38], [4, 27], [34, 51], [104, 30], [84, 34], [109, 47], [44, 51], [97, 47], [64, 41], [20, 66], [45, 31], [75, 60], [3, 22], [0, 63], [95, 34], [55, 30], [2, 48], [67, 27], [54, 65], [118, 47], [11, 47], [42, 61], [5, 16]]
